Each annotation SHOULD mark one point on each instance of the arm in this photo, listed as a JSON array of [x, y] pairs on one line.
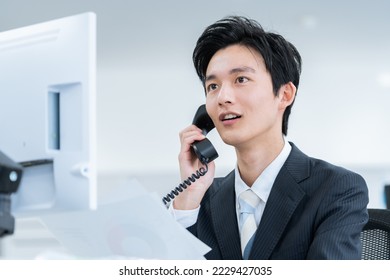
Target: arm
[[186, 218], [190, 199]]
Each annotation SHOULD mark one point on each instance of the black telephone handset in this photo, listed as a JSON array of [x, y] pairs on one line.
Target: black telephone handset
[[203, 149]]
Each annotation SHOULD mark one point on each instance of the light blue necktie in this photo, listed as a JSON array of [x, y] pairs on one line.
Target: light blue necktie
[[248, 202]]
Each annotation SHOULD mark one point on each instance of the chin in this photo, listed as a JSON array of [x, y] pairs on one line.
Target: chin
[[231, 141]]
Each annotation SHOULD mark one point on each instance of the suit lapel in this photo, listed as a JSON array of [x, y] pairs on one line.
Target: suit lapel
[[284, 198], [224, 217]]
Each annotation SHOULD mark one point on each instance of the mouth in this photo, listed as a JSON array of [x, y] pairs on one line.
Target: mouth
[[229, 117]]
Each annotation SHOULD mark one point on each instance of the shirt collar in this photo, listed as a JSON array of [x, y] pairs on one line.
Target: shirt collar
[[263, 184]]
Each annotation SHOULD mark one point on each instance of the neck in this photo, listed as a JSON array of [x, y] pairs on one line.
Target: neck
[[253, 160]]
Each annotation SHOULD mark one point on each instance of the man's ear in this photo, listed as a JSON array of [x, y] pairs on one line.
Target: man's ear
[[287, 95]]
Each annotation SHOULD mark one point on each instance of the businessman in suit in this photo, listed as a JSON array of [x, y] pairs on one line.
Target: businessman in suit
[[301, 207]]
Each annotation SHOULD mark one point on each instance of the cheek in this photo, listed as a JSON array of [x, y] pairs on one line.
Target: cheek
[[211, 109], [262, 106]]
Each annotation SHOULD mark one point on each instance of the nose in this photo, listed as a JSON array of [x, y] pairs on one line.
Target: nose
[[226, 95]]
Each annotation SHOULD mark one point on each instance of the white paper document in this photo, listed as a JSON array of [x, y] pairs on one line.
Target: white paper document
[[130, 223]]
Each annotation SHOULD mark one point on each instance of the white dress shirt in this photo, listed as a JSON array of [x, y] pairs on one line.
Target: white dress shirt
[[262, 187]]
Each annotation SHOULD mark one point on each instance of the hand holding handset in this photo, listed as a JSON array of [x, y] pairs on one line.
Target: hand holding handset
[[203, 149]]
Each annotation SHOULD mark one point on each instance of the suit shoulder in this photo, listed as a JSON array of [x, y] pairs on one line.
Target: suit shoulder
[[329, 169], [315, 172]]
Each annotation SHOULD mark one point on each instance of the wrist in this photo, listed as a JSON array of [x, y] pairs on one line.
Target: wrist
[[185, 203]]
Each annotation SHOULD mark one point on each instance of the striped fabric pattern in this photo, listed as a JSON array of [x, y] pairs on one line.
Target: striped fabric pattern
[[248, 202]]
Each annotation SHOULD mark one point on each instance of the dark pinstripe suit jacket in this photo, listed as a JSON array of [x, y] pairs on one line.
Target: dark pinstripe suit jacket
[[315, 211]]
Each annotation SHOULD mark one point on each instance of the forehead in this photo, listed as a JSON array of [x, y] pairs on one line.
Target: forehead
[[235, 56]]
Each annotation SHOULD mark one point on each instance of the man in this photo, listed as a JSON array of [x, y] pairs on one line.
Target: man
[[304, 208]]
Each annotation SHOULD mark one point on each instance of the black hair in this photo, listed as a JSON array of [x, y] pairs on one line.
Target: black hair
[[282, 60]]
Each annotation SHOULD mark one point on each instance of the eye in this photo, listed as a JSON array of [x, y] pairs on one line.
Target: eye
[[211, 87], [242, 80]]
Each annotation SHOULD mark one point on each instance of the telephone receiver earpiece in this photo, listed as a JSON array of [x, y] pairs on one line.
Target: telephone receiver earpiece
[[203, 149]]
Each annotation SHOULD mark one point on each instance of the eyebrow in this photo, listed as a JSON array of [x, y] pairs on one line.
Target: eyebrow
[[233, 71]]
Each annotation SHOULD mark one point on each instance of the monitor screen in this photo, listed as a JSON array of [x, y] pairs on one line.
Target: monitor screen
[[48, 122]]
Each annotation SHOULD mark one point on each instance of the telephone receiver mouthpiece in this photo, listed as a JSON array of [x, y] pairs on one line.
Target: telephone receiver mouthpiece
[[204, 150]]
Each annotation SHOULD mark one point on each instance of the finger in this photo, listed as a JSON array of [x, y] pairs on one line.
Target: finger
[[191, 134], [188, 139], [190, 129]]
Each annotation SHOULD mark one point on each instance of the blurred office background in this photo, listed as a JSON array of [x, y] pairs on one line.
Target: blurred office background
[[148, 90]]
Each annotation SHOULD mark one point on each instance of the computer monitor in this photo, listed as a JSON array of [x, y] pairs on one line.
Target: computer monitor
[[47, 112]]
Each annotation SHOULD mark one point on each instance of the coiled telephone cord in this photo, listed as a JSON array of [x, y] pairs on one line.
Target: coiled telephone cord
[[186, 183]]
